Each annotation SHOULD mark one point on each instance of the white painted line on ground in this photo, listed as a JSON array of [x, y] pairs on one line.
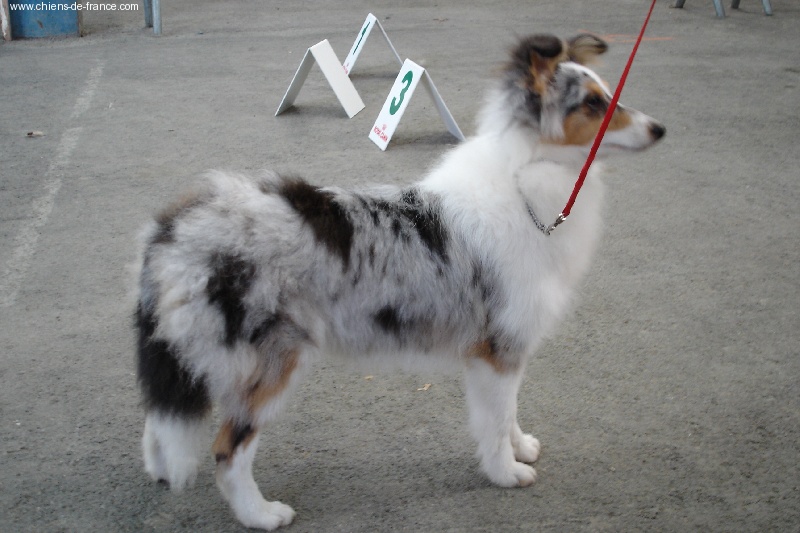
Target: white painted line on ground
[[16, 266], [87, 94]]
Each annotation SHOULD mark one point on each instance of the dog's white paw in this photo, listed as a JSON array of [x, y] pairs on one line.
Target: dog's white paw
[[264, 515], [514, 474], [526, 448]]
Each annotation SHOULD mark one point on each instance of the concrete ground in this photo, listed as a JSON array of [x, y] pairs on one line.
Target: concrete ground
[[668, 401]]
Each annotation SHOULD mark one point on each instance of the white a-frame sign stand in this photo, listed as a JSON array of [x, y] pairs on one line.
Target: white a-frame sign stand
[[396, 103], [361, 38], [337, 75], [410, 76], [322, 53]]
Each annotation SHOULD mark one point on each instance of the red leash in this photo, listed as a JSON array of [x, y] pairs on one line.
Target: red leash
[[603, 127]]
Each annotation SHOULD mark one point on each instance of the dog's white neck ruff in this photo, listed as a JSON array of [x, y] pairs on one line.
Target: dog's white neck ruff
[[488, 186], [508, 160]]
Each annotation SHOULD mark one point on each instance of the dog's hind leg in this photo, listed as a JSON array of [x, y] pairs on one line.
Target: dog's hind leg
[[237, 440], [492, 400], [236, 483]]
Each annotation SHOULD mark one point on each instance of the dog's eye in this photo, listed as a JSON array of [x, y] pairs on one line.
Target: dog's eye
[[595, 102]]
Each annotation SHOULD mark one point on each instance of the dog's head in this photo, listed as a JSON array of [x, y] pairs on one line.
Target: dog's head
[[551, 90]]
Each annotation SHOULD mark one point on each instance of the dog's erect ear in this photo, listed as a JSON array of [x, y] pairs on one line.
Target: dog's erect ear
[[538, 57], [585, 48]]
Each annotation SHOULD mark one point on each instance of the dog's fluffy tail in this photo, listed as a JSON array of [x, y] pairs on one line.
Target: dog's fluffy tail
[[176, 402], [172, 447]]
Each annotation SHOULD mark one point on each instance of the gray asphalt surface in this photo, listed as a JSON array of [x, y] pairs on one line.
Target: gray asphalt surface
[[668, 401]]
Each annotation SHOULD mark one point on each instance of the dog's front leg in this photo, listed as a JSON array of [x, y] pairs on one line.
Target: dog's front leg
[[526, 446], [492, 401]]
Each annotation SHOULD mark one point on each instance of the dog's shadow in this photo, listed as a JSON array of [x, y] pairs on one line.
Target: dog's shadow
[[365, 487], [325, 487]]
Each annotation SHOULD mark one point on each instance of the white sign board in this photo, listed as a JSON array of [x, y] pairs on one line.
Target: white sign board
[[396, 103], [399, 96], [322, 53], [361, 39]]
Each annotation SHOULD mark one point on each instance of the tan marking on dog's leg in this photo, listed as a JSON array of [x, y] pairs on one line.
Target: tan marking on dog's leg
[[235, 433], [230, 436], [222, 448], [261, 392], [485, 351]]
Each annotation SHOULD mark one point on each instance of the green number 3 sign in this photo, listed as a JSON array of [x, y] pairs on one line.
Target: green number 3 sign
[[395, 106]]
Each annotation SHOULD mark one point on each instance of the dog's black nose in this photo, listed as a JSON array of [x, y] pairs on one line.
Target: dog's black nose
[[657, 131]]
